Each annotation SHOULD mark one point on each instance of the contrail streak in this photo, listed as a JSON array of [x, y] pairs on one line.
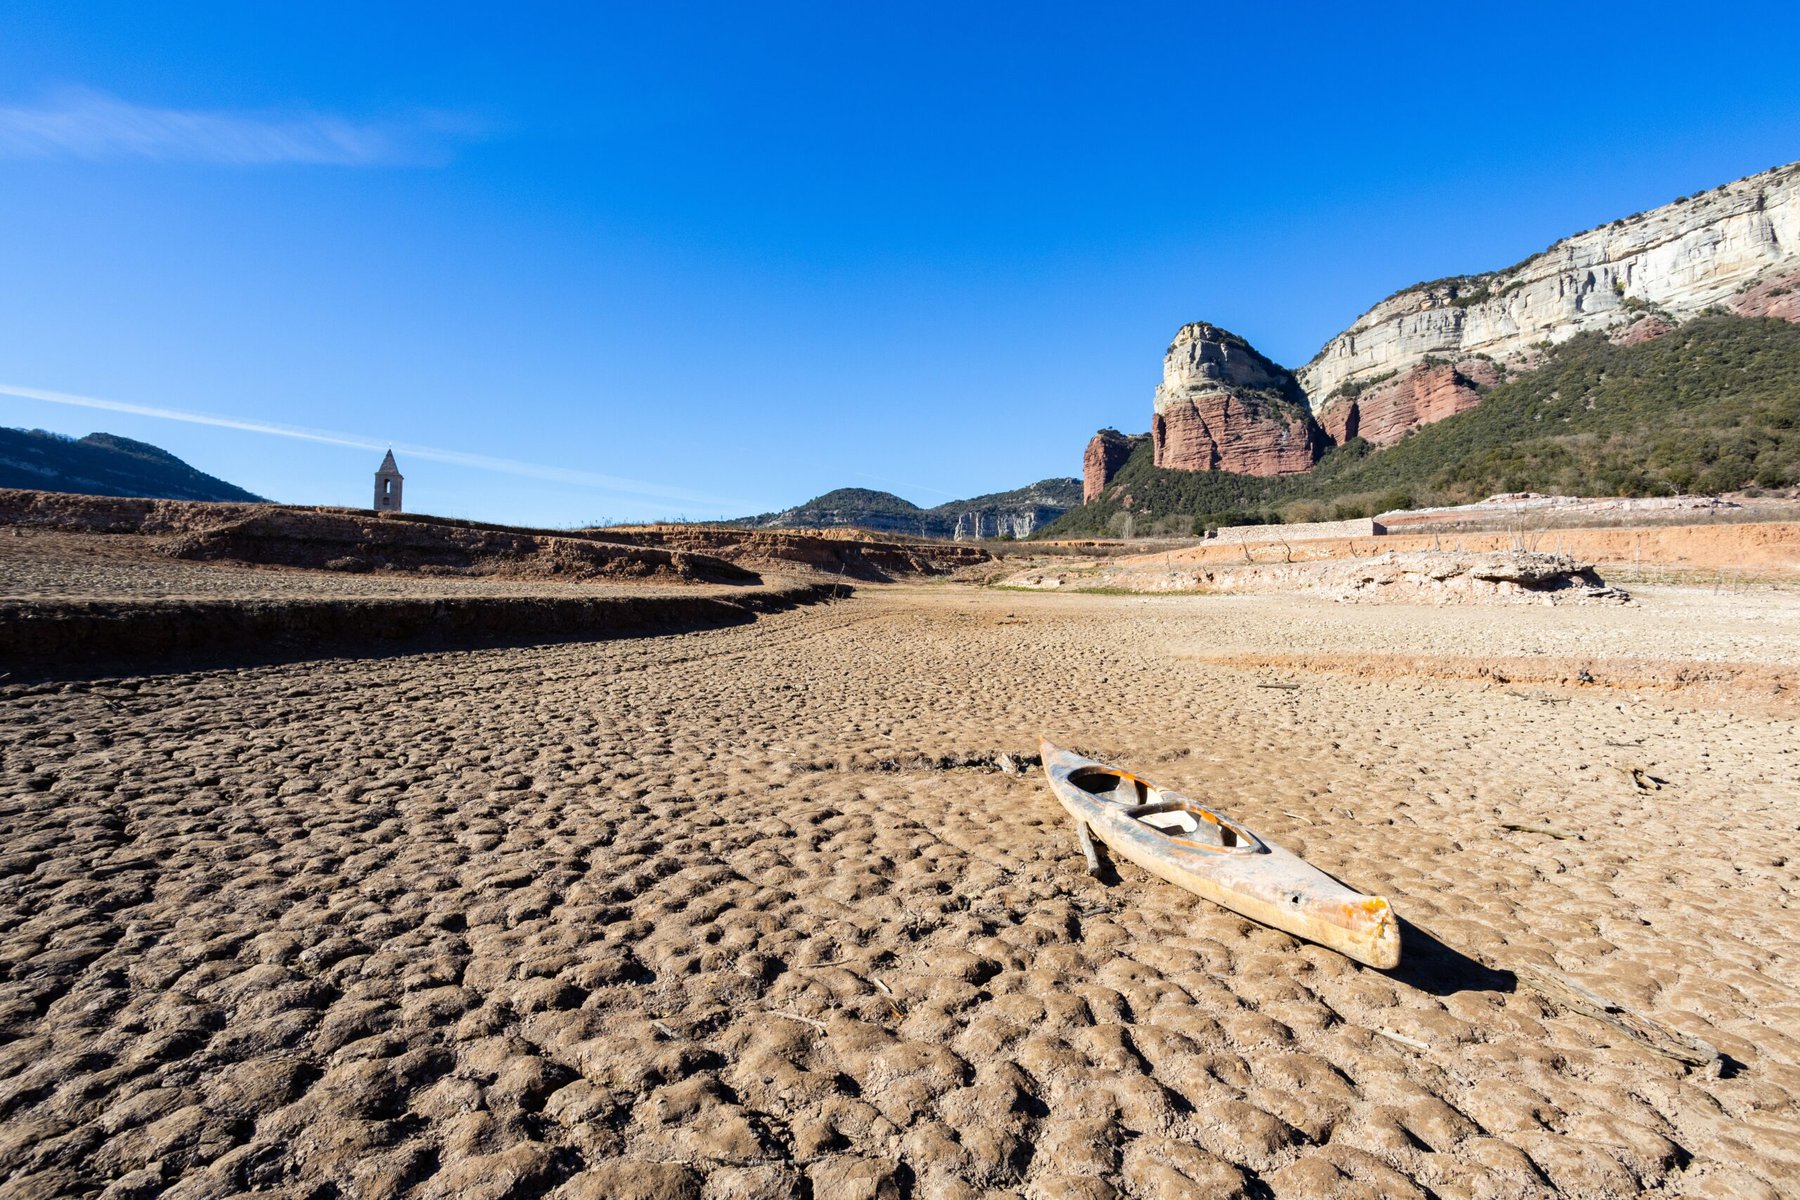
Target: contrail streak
[[912, 487], [84, 124], [483, 462]]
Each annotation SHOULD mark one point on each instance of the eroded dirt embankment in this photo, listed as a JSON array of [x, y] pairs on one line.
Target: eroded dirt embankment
[[848, 552], [90, 581], [360, 541], [357, 541], [39, 639]]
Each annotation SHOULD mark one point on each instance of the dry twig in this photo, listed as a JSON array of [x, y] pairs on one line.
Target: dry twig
[[794, 1016], [1403, 1039], [1546, 830]]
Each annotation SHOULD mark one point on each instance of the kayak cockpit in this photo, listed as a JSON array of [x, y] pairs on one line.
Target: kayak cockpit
[[1175, 817], [1115, 786], [1189, 824]]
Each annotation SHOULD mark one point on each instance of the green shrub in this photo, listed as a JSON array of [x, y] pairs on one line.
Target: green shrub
[[1299, 512]]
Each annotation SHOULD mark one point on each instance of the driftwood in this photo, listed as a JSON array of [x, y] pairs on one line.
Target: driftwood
[[1286, 687], [1652, 1035]]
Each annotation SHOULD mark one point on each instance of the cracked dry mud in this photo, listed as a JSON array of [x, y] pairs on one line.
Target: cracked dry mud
[[706, 916]]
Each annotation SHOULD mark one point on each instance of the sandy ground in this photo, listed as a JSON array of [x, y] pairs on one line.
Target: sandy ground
[[711, 915]]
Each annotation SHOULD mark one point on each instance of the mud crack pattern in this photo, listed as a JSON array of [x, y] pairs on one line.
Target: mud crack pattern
[[748, 913]]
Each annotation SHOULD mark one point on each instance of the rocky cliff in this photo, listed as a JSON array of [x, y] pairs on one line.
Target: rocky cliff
[[1224, 407], [1679, 259], [1433, 350], [1710, 407], [1385, 411], [1106, 453], [1018, 513]]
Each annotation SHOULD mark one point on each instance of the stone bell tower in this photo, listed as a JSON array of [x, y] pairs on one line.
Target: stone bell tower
[[387, 485]]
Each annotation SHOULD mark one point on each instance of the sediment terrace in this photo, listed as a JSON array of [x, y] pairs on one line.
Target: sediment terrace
[[90, 580], [79, 602]]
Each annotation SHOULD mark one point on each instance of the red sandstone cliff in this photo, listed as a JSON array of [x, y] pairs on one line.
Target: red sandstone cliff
[[1645, 329], [1224, 407], [1775, 297], [1106, 453], [1223, 432], [1387, 412]]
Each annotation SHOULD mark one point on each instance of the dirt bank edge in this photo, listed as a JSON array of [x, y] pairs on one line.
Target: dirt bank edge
[[74, 638]]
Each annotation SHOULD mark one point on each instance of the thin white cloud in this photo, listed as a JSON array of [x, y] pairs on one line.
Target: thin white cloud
[[481, 462], [915, 487], [94, 126]]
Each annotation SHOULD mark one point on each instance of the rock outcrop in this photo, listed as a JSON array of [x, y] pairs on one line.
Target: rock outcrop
[[1224, 407], [1430, 351], [1646, 328], [1017, 514], [1106, 454], [1778, 296], [1385, 412], [1680, 259]]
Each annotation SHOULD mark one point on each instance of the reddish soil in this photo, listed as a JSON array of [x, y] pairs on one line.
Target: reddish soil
[[1769, 547]]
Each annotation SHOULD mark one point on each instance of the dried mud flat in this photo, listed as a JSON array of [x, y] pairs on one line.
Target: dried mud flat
[[718, 915]]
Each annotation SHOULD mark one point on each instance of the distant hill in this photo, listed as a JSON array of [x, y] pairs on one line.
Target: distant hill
[[1018, 513], [1711, 406], [104, 464]]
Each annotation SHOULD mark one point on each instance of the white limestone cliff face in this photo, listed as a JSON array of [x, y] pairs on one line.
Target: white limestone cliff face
[[1681, 258], [975, 524]]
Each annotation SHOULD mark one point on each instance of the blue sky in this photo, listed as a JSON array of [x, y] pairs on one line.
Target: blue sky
[[619, 262]]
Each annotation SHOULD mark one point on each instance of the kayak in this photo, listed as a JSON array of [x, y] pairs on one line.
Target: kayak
[[1193, 847]]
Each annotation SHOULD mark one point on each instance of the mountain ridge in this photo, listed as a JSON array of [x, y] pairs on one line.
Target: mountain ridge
[[1433, 350], [105, 464], [1018, 513]]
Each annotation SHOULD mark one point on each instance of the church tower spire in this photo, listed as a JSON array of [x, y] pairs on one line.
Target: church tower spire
[[387, 485]]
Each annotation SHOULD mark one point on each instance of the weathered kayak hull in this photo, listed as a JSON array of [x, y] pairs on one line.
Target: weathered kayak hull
[[1196, 848]]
